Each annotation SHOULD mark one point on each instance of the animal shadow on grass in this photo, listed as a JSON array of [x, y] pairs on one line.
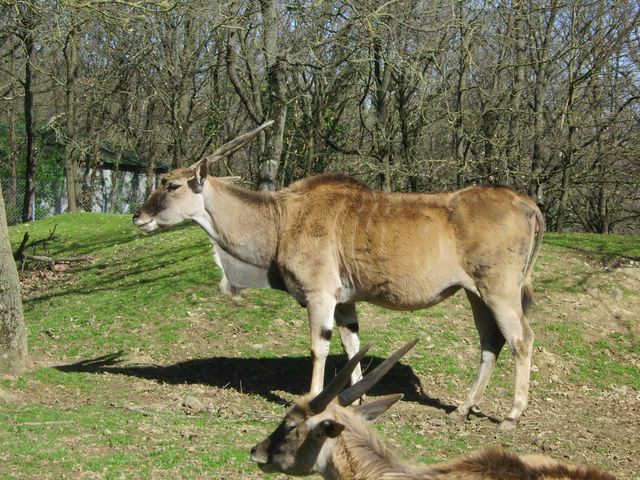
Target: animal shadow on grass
[[261, 376]]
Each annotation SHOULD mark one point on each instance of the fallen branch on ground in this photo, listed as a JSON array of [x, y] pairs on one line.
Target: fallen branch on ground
[[53, 260], [21, 256]]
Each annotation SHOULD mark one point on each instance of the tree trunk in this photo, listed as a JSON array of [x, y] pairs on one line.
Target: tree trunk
[[514, 139], [460, 140], [602, 175], [277, 98], [275, 141], [407, 133], [541, 68], [564, 195], [28, 209], [12, 144], [568, 154], [12, 140], [603, 217], [382, 142], [13, 334], [134, 191], [539, 148], [150, 172], [71, 163]]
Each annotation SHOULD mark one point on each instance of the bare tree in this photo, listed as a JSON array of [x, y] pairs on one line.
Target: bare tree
[[407, 95]]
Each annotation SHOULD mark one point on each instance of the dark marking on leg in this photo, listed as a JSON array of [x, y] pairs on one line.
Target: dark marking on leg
[[354, 327], [326, 334]]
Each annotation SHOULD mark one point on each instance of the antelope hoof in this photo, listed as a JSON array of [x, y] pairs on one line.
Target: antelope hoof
[[508, 424], [459, 414]]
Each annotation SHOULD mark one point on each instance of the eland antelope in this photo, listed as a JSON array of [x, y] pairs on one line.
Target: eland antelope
[[330, 241], [322, 434]]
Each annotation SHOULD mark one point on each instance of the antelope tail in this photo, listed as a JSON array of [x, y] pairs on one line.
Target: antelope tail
[[537, 231]]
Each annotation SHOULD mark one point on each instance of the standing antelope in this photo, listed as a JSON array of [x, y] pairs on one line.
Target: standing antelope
[[319, 434], [331, 241]]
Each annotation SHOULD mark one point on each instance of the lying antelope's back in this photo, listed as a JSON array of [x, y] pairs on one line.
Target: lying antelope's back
[[496, 464], [365, 454]]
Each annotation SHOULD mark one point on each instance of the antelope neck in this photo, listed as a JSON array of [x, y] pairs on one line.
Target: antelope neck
[[244, 223]]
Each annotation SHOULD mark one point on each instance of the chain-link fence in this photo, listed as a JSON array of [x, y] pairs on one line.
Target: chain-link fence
[[108, 193], [12, 201], [49, 199]]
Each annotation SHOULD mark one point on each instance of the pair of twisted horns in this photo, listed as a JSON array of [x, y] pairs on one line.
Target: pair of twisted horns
[[231, 146], [351, 394]]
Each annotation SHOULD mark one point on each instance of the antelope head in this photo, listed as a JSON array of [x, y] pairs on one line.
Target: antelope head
[[303, 442], [179, 195]]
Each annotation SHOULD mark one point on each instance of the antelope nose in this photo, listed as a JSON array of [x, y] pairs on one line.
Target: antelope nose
[[136, 215], [253, 456]]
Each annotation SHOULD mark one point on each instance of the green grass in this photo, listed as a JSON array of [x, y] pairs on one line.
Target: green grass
[[59, 439], [569, 261], [596, 367], [134, 281], [128, 328], [605, 247]]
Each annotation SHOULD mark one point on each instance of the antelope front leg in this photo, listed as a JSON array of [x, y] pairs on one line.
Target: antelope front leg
[[347, 321], [321, 309]]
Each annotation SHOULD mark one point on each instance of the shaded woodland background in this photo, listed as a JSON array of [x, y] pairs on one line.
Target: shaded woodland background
[[542, 95]]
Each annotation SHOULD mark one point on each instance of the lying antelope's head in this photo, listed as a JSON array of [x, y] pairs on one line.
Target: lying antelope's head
[[303, 441], [179, 195]]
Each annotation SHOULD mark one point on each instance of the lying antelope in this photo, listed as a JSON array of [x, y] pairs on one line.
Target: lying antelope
[[331, 241], [319, 434]]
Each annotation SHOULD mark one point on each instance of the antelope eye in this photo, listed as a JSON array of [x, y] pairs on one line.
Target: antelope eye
[[173, 186], [287, 427]]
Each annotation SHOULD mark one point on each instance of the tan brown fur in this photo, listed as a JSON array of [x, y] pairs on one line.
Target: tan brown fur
[[497, 464], [359, 454], [177, 173], [331, 241], [338, 179]]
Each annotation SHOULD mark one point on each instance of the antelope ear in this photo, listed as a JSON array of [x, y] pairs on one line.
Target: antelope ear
[[229, 180], [328, 428], [373, 409], [202, 170]]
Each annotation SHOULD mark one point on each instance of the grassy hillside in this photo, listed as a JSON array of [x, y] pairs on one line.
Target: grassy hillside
[[142, 369]]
